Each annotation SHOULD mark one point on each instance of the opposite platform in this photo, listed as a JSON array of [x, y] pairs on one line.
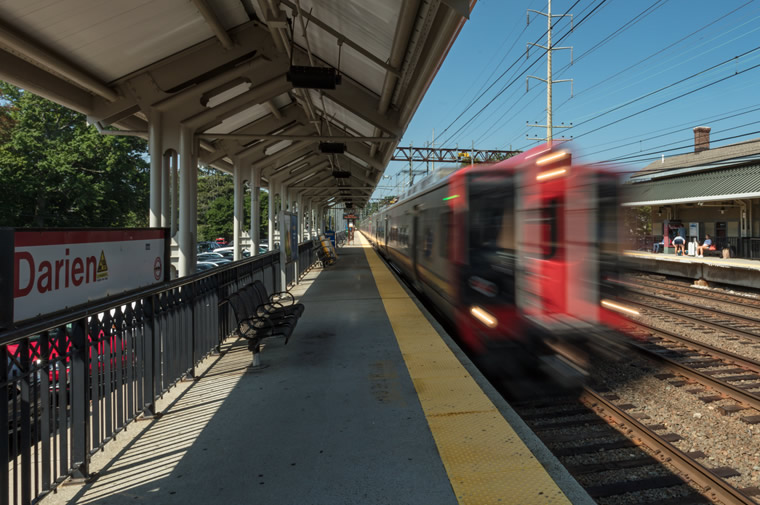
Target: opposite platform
[[731, 271], [369, 403]]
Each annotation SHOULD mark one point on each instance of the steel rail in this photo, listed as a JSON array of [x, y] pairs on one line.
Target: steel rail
[[728, 356], [699, 293], [713, 486], [708, 324], [736, 393], [747, 319]]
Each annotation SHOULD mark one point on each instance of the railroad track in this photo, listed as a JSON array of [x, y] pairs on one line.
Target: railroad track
[[743, 301], [741, 326], [637, 459]]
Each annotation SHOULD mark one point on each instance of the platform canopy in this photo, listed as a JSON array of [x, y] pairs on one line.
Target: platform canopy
[[239, 75]]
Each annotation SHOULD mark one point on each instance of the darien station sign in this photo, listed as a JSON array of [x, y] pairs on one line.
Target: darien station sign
[[54, 269]]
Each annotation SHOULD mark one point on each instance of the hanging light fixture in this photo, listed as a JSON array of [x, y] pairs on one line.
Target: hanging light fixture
[[722, 210]]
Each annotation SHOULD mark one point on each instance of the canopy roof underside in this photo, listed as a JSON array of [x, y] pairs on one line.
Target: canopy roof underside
[[219, 68]]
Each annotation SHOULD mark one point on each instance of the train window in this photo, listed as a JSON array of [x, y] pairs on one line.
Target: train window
[[491, 213], [443, 243], [607, 215], [549, 229]]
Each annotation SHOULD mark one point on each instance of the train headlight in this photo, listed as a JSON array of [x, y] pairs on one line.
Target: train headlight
[[619, 307], [483, 316]]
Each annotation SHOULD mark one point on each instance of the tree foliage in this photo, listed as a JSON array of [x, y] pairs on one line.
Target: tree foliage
[[216, 207], [58, 171]]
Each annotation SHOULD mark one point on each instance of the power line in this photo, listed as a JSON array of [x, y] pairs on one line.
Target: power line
[[666, 101], [515, 80], [494, 83]]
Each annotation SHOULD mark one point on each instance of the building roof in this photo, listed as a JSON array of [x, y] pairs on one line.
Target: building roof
[[710, 159], [725, 184]]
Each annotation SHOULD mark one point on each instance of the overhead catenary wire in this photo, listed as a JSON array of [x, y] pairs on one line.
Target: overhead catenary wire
[[602, 2], [607, 80]]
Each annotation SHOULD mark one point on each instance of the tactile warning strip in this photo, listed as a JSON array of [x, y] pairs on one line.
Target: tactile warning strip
[[486, 461]]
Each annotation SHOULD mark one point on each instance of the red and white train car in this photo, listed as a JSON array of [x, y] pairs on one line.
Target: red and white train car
[[520, 256]]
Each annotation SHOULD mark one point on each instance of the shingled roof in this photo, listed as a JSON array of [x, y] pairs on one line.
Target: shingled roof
[[710, 159]]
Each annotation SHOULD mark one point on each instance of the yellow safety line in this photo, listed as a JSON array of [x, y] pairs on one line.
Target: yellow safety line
[[487, 463]]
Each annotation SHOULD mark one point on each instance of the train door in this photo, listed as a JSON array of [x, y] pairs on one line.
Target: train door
[[415, 242], [385, 233], [486, 281], [542, 216]]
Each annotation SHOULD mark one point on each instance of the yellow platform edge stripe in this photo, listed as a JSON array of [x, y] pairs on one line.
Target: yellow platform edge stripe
[[486, 461]]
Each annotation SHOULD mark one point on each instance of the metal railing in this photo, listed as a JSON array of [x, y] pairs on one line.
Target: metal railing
[[73, 380]]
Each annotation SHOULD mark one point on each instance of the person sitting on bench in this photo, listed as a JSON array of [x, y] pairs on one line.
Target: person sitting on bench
[[679, 242], [705, 246]]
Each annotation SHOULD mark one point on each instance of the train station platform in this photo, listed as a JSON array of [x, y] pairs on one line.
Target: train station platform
[[730, 271], [369, 403]]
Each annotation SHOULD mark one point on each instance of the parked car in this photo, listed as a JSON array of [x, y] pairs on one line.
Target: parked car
[[202, 266], [230, 251], [206, 246], [221, 241], [213, 257]]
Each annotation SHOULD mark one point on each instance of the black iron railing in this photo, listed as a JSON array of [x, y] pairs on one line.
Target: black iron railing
[[73, 380]]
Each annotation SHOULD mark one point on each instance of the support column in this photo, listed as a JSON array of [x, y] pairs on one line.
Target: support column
[[193, 203], [271, 210], [166, 190], [154, 147], [255, 184], [175, 193], [184, 234], [300, 217], [283, 258], [237, 219]]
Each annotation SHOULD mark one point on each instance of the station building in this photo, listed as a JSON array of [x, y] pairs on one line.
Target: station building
[[709, 191]]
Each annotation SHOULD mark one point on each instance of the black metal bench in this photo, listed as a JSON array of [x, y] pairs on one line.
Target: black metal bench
[[259, 319]]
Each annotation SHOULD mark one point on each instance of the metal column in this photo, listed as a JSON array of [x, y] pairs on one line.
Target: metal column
[[156, 159], [255, 184], [165, 190], [283, 257], [175, 193], [237, 219], [184, 234]]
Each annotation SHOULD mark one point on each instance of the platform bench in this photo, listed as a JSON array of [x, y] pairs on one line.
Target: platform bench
[[261, 316]]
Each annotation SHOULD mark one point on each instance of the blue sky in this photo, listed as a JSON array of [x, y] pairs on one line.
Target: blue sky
[[690, 62]]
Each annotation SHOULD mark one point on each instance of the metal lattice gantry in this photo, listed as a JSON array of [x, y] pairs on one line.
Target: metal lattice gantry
[[449, 155]]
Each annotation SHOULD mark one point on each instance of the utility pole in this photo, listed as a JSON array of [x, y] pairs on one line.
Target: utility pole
[[549, 125]]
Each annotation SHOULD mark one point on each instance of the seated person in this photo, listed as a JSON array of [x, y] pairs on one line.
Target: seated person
[[705, 246], [679, 243]]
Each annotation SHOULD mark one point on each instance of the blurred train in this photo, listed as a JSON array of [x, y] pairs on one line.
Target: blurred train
[[520, 256]]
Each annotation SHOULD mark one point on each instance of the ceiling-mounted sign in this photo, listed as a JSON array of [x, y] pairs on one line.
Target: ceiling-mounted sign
[[56, 269]]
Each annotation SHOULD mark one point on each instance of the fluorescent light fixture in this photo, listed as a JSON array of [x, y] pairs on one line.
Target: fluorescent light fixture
[[551, 173], [617, 307], [279, 146], [551, 157], [484, 317]]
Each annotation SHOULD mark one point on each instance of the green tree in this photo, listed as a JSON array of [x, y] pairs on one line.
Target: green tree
[[58, 171], [216, 206]]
